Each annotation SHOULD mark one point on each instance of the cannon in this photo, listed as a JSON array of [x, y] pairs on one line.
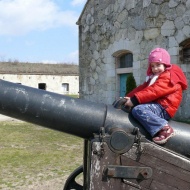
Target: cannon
[[118, 152]]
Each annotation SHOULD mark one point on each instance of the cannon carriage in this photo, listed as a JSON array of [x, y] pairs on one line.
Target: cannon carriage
[[118, 152]]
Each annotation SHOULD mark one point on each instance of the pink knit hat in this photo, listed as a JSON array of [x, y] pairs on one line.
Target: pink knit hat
[[158, 55]]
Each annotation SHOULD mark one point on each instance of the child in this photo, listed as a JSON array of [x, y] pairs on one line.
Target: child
[[157, 100]]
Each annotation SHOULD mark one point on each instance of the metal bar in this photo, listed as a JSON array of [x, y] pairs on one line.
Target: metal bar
[[128, 172]]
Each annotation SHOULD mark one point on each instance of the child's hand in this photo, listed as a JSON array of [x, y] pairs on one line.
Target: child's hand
[[128, 103]]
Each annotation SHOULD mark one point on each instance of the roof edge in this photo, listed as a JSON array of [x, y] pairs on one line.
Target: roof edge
[[78, 22]]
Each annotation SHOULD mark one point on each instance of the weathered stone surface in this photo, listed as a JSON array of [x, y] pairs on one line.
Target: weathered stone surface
[[171, 14], [173, 42], [180, 37], [179, 23], [122, 16], [139, 36], [173, 51], [153, 10], [158, 2], [131, 33], [186, 17], [93, 65], [186, 30], [146, 3], [138, 23], [151, 33], [174, 3], [168, 28], [188, 4], [164, 9], [180, 10], [89, 19], [130, 4]]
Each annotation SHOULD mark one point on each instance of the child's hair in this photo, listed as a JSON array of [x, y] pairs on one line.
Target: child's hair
[[158, 55]]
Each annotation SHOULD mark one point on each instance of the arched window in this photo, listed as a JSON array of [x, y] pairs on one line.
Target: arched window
[[126, 60]]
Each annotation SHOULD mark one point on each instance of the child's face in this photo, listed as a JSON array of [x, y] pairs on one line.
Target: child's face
[[157, 68]]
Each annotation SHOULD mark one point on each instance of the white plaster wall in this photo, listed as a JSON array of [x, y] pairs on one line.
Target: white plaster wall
[[53, 83]]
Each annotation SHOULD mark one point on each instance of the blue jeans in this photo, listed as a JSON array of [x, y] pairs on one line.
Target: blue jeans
[[152, 116]]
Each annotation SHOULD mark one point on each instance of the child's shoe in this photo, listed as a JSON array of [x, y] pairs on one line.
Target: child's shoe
[[163, 135]]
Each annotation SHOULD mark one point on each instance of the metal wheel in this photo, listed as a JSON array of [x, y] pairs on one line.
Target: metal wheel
[[71, 183]]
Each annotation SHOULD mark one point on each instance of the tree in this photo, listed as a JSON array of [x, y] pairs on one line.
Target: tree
[[130, 83]]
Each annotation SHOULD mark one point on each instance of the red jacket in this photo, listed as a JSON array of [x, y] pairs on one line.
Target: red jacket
[[167, 90]]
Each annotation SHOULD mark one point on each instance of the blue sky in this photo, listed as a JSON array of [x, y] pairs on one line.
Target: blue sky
[[42, 31]]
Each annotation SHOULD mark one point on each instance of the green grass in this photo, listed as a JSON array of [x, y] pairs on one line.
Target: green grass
[[73, 95], [29, 153]]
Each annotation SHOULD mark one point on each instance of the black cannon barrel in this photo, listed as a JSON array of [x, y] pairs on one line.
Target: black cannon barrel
[[74, 116], [70, 115]]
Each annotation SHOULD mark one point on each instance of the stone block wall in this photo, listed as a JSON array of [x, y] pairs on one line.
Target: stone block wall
[[109, 27]]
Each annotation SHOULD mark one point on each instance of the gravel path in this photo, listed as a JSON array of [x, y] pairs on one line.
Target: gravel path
[[6, 118]]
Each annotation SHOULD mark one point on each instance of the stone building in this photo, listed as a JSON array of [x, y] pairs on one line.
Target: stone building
[[58, 78], [116, 36]]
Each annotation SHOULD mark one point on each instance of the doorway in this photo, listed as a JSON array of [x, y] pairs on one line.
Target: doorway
[[123, 79]]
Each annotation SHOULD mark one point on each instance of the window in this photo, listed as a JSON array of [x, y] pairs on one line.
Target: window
[[65, 87], [42, 86], [126, 60], [186, 54], [185, 51]]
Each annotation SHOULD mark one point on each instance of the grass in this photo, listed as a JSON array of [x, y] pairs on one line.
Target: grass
[[73, 96], [29, 153]]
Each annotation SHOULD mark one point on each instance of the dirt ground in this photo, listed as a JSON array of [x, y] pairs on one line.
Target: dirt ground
[[53, 184]]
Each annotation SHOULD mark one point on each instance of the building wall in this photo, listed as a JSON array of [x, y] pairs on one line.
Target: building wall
[[53, 82], [110, 27]]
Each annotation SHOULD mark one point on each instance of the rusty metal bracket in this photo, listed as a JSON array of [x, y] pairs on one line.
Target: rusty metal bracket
[[127, 172]]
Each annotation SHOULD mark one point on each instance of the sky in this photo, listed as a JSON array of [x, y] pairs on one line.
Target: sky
[[39, 31]]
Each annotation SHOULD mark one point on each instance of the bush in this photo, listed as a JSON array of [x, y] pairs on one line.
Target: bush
[[130, 83]]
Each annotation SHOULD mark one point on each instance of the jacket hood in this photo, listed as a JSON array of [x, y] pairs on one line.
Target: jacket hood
[[177, 76]]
